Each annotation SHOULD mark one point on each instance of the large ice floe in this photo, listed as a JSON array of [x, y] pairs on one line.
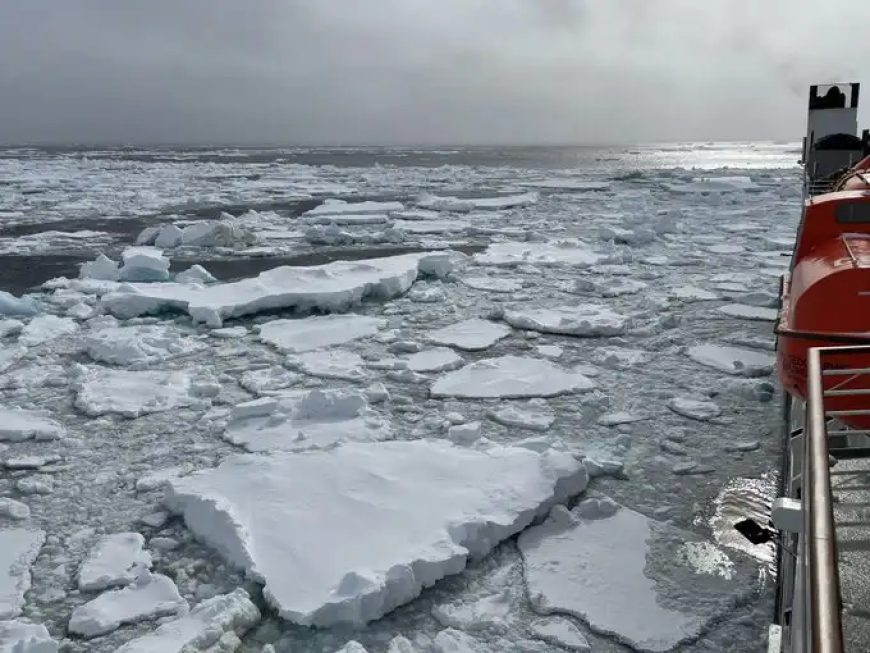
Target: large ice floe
[[318, 331], [334, 287], [397, 517], [510, 377], [305, 419], [664, 585]]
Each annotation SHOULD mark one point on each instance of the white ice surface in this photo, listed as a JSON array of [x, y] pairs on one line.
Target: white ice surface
[[138, 345], [697, 409], [318, 331], [493, 284], [305, 419], [398, 516], [438, 359], [150, 596], [19, 636], [745, 312], [144, 264], [329, 364], [116, 560], [588, 320], [17, 425], [470, 335], [568, 559], [333, 287], [102, 268], [44, 328], [510, 377], [340, 207], [569, 252], [19, 548], [534, 415], [561, 632], [457, 205], [206, 628], [732, 360], [133, 393]]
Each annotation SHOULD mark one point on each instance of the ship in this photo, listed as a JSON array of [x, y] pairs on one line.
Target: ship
[[820, 517]]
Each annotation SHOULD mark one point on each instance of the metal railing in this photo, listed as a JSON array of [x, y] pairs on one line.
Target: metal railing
[[822, 604]]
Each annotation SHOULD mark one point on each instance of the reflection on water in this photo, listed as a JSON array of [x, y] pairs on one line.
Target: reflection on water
[[746, 498]]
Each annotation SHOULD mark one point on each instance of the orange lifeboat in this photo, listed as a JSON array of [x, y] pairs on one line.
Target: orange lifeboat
[[826, 296]]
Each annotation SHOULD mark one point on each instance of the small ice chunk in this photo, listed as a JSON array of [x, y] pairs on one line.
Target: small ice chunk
[[20, 636], [18, 425], [269, 380], [305, 419], [745, 312], [470, 335], [464, 434], [217, 233], [336, 207], [168, 237], [147, 236], [697, 409], [490, 613], [550, 351], [101, 391], [19, 548], [144, 264], [493, 284], [12, 509], [402, 515], [619, 357], [116, 560], [150, 596], [536, 415], [204, 629], [621, 417], [307, 334], [11, 305], [103, 268], [330, 364], [510, 377], [564, 252], [229, 333], [438, 359], [195, 274], [44, 328], [692, 294], [10, 327], [584, 320], [160, 477], [732, 360]]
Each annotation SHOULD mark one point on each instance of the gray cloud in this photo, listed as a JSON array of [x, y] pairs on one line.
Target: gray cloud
[[418, 71]]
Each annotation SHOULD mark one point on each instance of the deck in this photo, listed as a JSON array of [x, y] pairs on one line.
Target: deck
[[850, 483]]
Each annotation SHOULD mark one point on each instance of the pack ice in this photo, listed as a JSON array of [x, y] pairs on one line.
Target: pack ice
[[19, 548], [663, 586], [305, 419], [349, 534], [732, 360], [560, 252], [334, 287], [583, 320], [510, 377], [306, 334]]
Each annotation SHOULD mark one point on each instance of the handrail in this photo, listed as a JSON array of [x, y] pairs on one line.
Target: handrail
[[823, 601]]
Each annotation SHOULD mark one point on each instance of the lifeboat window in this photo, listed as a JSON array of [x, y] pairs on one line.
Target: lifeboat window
[[852, 213]]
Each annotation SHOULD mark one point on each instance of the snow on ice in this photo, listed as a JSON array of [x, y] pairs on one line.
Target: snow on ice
[[433, 506], [20, 636], [306, 334], [305, 419], [333, 287], [138, 345], [470, 335], [562, 252], [438, 359], [19, 548], [589, 320], [116, 560], [652, 602], [510, 377], [732, 360], [17, 425]]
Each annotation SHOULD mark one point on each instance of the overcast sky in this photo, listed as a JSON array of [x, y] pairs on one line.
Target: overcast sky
[[420, 71]]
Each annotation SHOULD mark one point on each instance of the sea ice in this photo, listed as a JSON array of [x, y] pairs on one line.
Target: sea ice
[[398, 516], [305, 419], [19, 636], [306, 334], [745, 312], [103, 268], [430, 226], [535, 415], [510, 377], [493, 284], [18, 425], [561, 632], [268, 380], [330, 364], [334, 287], [19, 548], [654, 598], [44, 328], [144, 264], [226, 232], [438, 359], [697, 409], [457, 205], [588, 320], [567, 252], [692, 294], [195, 274], [732, 360], [213, 626], [491, 612], [131, 393], [116, 560], [470, 335], [138, 345], [335, 207], [148, 597]]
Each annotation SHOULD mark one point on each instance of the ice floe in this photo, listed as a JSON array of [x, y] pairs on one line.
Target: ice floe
[[745, 312], [305, 419], [493, 284], [319, 331], [138, 345], [697, 409], [116, 560], [457, 205], [329, 364], [335, 207], [470, 335], [566, 252], [535, 415], [334, 287], [732, 360], [401, 516], [143, 264], [510, 377], [438, 359], [17, 425], [44, 328], [652, 603], [20, 636], [19, 548], [588, 320]]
